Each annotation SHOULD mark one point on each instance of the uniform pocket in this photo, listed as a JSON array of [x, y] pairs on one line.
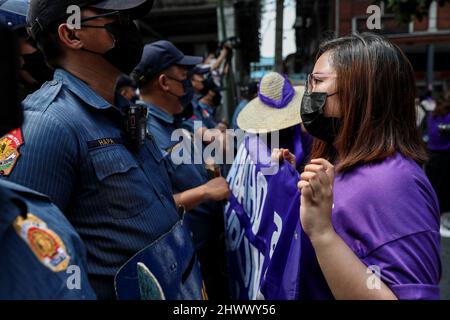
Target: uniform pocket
[[112, 160], [122, 183]]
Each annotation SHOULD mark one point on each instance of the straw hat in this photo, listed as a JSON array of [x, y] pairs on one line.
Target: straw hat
[[277, 106]]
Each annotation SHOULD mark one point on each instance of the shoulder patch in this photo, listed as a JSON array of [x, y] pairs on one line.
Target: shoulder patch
[[9, 151], [46, 245]]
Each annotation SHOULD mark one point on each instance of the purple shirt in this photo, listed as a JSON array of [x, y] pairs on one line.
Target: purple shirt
[[388, 214], [438, 141]]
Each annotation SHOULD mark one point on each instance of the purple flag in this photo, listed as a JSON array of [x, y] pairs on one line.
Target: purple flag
[[263, 226]]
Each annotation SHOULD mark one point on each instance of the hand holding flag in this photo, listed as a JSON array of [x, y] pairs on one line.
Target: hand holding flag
[[284, 154]]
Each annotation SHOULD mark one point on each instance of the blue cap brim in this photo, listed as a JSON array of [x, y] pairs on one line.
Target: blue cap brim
[[200, 70], [190, 61], [144, 6]]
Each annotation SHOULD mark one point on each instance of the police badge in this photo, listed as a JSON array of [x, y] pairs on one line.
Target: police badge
[[9, 151], [46, 245]]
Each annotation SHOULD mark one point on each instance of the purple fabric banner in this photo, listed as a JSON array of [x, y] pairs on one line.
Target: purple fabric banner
[[262, 226]]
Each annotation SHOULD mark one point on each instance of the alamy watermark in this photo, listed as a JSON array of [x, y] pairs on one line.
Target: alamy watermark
[[213, 146], [74, 20], [374, 20], [74, 279]]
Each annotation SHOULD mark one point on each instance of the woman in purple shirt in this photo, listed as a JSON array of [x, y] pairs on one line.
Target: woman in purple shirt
[[369, 212]]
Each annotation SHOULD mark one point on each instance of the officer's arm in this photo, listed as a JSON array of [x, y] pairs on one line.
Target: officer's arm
[[47, 158], [216, 190]]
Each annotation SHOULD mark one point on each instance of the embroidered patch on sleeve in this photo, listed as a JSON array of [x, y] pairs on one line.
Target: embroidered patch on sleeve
[[9, 151], [46, 245]]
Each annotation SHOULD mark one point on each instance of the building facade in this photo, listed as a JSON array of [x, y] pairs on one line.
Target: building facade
[[426, 42]]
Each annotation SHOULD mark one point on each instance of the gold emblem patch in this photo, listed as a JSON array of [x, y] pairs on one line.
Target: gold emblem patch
[[46, 245], [9, 151]]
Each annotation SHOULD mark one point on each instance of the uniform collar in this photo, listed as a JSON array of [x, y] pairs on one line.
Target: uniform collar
[[196, 98], [81, 89], [158, 112]]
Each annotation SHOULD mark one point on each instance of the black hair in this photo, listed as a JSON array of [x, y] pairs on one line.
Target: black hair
[[48, 43]]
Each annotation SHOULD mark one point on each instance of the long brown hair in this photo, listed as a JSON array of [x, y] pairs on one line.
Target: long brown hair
[[376, 89]]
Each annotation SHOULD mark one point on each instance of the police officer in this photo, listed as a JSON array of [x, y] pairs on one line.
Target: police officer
[[205, 109], [86, 147], [197, 76], [42, 255], [127, 88], [33, 69], [165, 86]]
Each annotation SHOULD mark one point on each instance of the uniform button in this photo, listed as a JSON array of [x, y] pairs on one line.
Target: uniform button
[[173, 267], [53, 83]]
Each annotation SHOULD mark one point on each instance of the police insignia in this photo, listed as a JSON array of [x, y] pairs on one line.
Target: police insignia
[[46, 245], [9, 151]]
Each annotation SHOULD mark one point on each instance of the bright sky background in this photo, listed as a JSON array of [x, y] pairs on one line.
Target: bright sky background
[[268, 28]]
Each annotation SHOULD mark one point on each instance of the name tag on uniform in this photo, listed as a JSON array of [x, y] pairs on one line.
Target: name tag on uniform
[[104, 142]]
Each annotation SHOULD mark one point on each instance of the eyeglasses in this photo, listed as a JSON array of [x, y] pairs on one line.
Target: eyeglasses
[[175, 79], [124, 19], [313, 78]]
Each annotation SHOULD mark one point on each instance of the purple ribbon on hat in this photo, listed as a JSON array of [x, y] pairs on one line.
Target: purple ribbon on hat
[[286, 97]]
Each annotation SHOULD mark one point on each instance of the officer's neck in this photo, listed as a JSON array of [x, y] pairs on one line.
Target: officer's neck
[[160, 101], [99, 75]]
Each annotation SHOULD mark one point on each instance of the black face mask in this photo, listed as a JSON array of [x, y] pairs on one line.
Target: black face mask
[[128, 46], [314, 120], [189, 92], [36, 66]]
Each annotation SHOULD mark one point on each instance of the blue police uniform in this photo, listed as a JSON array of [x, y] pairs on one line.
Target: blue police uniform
[[206, 220], [184, 176], [118, 201], [188, 123], [42, 255], [196, 99], [204, 113]]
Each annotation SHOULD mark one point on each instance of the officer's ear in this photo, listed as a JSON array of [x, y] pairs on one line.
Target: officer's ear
[[162, 82], [68, 37]]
